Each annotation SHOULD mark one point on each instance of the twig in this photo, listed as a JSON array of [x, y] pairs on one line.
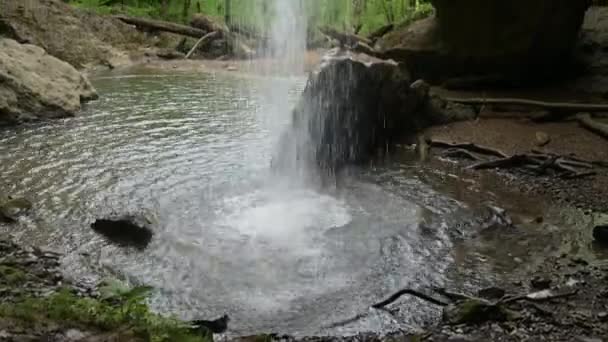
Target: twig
[[411, 292], [468, 146]]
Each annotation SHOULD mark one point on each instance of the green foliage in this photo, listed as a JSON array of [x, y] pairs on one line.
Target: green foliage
[[120, 309], [342, 14]]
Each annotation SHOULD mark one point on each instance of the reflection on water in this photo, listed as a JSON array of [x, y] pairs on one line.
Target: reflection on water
[[194, 150]]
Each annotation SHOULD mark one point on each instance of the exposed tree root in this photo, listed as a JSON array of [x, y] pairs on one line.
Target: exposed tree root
[[204, 40], [468, 146], [461, 153], [548, 105], [410, 292], [596, 127]]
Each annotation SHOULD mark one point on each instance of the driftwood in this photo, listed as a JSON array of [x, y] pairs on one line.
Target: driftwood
[[344, 38], [596, 127], [548, 105], [204, 40], [162, 26]]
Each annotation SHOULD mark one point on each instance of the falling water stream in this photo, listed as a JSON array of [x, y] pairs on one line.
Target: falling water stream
[[193, 150]]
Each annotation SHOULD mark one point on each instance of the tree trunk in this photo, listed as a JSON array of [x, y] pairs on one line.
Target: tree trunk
[[164, 8], [228, 11], [186, 10]]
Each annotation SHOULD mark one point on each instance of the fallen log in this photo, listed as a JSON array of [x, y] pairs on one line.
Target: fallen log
[[345, 39], [596, 127], [548, 105], [162, 26], [204, 40], [381, 32]]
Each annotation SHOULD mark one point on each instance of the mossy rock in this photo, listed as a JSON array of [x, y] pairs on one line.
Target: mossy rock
[[12, 208], [474, 311]]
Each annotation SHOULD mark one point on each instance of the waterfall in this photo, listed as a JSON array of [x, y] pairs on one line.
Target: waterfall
[[286, 53]]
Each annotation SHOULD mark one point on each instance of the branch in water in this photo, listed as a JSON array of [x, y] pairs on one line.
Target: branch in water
[[410, 292]]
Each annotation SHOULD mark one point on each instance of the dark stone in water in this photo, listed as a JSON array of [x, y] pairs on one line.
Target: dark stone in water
[[12, 208], [352, 108], [126, 231], [600, 234]]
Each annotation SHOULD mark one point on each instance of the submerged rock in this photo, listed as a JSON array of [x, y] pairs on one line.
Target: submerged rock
[[34, 84], [353, 107], [12, 208], [128, 231], [600, 234]]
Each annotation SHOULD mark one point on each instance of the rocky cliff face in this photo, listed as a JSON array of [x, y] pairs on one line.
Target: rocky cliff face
[[34, 84], [516, 39]]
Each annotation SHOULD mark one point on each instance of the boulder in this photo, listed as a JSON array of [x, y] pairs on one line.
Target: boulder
[[126, 231], [519, 39], [12, 208], [34, 84], [352, 107]]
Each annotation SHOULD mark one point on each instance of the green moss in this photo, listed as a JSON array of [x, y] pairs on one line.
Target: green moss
[[11, 275], [127, 312]]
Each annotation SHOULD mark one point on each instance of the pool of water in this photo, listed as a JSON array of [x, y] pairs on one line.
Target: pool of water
[[193, 151]]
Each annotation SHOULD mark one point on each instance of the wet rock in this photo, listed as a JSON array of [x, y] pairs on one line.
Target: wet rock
[[352, 108], [600, 234], [12, 208], [169, 54], [125, 231], [491, 293], [474, 311], [540, 283], [37, 85]]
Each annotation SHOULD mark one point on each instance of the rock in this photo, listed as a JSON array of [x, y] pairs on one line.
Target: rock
[[125, 231], [540, 283], [352, 107], [504, 40], [474, 311], [35, 84], [76, 36], [12, 208], [491, 293], [602, 316], [542, 139], [600, 234], [170, 54]]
